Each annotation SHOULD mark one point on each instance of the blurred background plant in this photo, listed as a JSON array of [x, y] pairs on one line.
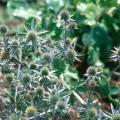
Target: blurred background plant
[[91, 29]]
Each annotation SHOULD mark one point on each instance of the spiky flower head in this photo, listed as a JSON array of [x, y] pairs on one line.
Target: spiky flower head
[[30, 111], [26, 78], [92, 112], [91, 71], [3, 29], [53, 99], [47, 57], [61, 105], [64, 15], [9, 77], [72, 25], [116, 116], [33, 66], [44, 71], [115, 54], [71, 55], [39, 90], [32, 35]]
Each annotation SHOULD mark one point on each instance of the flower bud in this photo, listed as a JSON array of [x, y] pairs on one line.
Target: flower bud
[[26, 78], [47, 57], [64, 15], [61, 105], [33, 66], [44, 71], [39, 90], [32, 35]]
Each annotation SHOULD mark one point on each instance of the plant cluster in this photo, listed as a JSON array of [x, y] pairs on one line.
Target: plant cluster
[[41, 82]]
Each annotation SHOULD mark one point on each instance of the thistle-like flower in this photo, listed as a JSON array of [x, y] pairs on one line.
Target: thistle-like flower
[[64, 15], [47, 57], [115, 54], [46, 73], [72, 55], [92, 112], [32, 33], [61, 105], [39, 90], [30, 111], [93, 73]]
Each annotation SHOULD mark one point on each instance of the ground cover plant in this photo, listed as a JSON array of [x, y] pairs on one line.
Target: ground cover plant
[[60, 62]]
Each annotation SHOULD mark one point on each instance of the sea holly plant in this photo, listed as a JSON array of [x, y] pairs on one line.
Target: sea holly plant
[[41, 83], [34, 90]]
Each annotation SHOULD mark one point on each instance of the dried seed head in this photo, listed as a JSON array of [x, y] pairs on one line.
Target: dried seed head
[[33, 66], [9, 77], [47, 57], [61, 105], [72, 25], [3, 28], [64, 15], [44, 71], [30, 111], [92, 83], [39, 90], [32, 35], [91, 71], [92, 112], [116, 116], [53, 99], [26, 78]]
